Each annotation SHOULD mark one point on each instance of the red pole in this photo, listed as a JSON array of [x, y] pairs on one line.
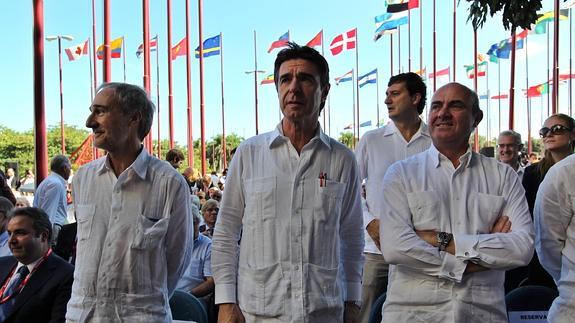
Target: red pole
[[391, 54], [189, 83], [224, 147], [475, 86], [146, 35], [158, 94], [555, 88], [62, 135], [408, 41], [202, 116], [512, 81], [434, 48], [40, 141], [454, 46], [95, 153], [107, 51], [170, 95], [356, 79]]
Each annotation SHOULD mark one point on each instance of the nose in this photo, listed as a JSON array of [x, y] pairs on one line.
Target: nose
[[442, 111], [90, 123], [294, 85], [387, 99]]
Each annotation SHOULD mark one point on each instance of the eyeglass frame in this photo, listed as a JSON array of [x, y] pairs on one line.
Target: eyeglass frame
[[556, 129]]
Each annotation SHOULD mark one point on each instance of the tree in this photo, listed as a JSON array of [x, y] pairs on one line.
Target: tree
[[515, 13], [346, 138]]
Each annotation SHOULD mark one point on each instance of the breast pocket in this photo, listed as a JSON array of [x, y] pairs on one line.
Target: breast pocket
[[85, 218], [260, 198], [425, 209], [329, 199], [488, 208], [150, 232]]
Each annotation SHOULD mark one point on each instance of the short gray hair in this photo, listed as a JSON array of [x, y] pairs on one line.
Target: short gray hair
[[511, 133], [58, 163], [132, 99], [210, 203]]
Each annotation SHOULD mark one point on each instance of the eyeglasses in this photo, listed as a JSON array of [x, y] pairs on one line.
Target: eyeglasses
[[557, 129], [507, 145]]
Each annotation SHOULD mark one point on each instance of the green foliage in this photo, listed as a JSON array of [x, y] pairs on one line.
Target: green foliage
[[346, 138], [515, 13]]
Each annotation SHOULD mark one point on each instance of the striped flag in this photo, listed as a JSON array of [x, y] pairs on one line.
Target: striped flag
[[115, 48], [344, 78], [316, 41], [281, 42], [75, 52], [211, 47], [369, 78], [153, 46], [268, 80]]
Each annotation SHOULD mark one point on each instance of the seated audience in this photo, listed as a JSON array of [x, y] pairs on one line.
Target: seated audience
[[210, 211]]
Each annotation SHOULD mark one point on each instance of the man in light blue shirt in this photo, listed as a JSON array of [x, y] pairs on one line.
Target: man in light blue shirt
[[5, 207]]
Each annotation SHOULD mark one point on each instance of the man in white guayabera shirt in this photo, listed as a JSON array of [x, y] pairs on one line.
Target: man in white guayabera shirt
[[405, 135], [135, 227], [292, 195], [555, 234], [452, 222]]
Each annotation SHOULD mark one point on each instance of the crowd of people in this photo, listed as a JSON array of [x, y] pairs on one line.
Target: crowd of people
[[301, 229]]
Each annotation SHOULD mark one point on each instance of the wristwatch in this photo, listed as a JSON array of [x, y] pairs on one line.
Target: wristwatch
[[443, 240]]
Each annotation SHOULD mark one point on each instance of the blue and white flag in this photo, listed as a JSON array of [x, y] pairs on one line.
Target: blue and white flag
[[369, 78], [365, 124], [389, 21]]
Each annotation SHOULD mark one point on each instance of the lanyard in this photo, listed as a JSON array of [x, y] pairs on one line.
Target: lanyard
[[24, 282]]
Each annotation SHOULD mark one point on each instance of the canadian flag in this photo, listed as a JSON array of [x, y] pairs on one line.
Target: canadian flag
[[343, 41], [75, 52]]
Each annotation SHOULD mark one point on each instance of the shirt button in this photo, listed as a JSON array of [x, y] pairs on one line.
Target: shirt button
[[451, 274], [466, 254], [296, 267]]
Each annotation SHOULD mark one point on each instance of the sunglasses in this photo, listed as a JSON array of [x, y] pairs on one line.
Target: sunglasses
[[554, 130]]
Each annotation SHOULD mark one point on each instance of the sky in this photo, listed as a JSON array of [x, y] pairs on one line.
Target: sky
[[237, 21]]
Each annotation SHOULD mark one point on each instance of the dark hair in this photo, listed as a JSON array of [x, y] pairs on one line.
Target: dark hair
[[40, 220], [414, 84], [133, 99], [547, 161], [295, 51], [59, 162], [174, 155]]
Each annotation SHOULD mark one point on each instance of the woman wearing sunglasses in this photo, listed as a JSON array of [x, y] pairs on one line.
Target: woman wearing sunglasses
[[558, 136]]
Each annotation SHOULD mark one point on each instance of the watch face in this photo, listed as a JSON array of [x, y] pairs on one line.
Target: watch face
[[443, 236]]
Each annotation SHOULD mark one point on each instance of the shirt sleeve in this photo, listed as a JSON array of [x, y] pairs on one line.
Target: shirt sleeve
[[208, 261], [502, 250], [361, 157], [225, 248], [400, 244], [180, 234], [50, 198], [553, 213], [352, 236]]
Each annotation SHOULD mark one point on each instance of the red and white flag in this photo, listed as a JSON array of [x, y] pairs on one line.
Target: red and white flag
[[75, 52], [343, 42]]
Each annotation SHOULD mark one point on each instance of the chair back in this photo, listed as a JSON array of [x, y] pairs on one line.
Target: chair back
[[375, 315], [529, 303]]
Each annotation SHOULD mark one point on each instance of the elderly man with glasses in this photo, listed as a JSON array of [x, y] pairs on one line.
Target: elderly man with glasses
[[508, 150]]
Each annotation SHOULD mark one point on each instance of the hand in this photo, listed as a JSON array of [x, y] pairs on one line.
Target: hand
[[502, 225], [230, 313], [373, 231], [351, 312]]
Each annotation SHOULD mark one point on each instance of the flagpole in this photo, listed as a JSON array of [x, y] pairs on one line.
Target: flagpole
[[454, 45], [570, 65], [256, 80], [420, 36], [107, 66], [124, 56], [202, 103], [499, 93], [91, 76], [353, 77], [95, 153], [356, 79], [189, 84], [548, 70], [328, 97], [40, 140], [512, 81], [146, 42], [170, 95], [408, 40], [488, 105], [158, 95], [391, 54], [529, 144], [398, 51], [324, 109], [434, 49], [476, 76], [555, 89], [377, 93], [224, 146], [62, 135]]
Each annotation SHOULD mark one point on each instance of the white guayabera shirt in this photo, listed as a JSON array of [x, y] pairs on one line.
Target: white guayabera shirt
[[301, 238]]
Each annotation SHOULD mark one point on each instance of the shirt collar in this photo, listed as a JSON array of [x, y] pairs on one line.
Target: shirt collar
[[30, 265], [437, 156], [277, 136], [390, 129], [139, 166]]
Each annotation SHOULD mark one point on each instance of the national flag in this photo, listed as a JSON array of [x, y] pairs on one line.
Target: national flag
[[316, 41], [401, 5], [281, 42], [470, 69], [565, 76], [268, 80], [568, 4], [502, 49], [212, 47], [549, 16], [442, 72], [180, 49], [422, 73], [343, 41], [537, 90], [481, 58], [344, 78], [348, 127], [153, 46], [484, 96], [382, 33], [500, 96], [75, 52], [369, 78], [389, 21], [365, 124], [115, 48]]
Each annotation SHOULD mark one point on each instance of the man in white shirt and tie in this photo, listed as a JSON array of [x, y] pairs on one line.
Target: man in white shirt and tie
[[405, 135], [292, 195], [452, 222]]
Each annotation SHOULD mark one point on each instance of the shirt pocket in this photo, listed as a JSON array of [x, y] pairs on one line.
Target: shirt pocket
[[85, 217], [323, 291], [260, 198], [425, 209], [149, 233], [329, 200], [484, 211], [263, 291]]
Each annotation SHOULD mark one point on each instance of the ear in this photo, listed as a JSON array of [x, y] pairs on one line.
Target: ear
[[325, 92], [416, 98], [478, 118]]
